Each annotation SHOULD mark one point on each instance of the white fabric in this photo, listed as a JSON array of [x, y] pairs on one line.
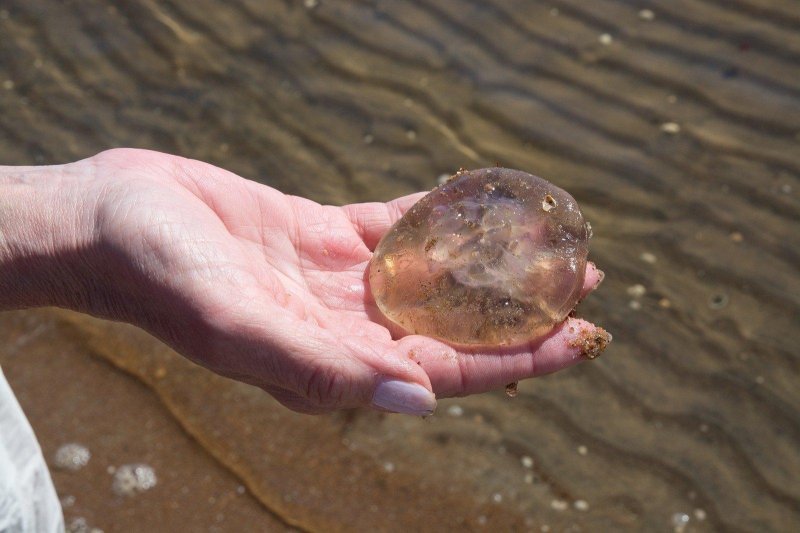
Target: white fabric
[[28, 500]]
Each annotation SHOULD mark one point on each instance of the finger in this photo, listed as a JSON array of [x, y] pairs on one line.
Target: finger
[[371, 220], [458, 372], [592, 279]]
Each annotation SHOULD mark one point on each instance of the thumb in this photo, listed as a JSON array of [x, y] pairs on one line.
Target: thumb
[[387, 378], [326, 372]]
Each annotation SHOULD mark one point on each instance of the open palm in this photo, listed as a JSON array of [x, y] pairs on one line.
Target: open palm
[[271, 289]]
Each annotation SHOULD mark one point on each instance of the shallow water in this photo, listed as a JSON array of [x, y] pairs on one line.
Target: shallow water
[[679, 136]]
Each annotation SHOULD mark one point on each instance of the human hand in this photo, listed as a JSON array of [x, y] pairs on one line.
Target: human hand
[[264, 288]]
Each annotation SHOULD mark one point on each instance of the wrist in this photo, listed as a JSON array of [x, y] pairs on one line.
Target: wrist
[[46, 237]]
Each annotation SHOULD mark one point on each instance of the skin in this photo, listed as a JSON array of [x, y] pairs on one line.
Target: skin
[[259, 286]]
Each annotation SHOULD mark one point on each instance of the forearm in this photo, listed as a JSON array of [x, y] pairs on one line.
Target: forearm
[[45, 237]]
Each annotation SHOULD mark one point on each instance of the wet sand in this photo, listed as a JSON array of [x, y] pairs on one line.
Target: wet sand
[[677, 131]]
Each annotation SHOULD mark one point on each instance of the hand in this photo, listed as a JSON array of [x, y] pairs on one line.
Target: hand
[[269, 289]]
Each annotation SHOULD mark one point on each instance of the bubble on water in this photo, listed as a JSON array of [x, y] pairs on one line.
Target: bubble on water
[[71, 456], [134, 478], [67, 501], [80, 525]]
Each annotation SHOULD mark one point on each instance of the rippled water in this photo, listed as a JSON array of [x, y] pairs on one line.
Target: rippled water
[[677, 130]]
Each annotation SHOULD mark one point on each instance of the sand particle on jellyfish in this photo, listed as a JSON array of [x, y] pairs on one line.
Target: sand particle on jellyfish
[[71, 456], [132, 479]]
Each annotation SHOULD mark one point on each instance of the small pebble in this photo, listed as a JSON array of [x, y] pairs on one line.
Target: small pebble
[[368, 139], [636, 291], [671, 99], [786, 188], [310, 4], [583, 450], [411, 135], [581, 505], [389, 467], [605, 39], [71, 457], [646, 14], [526, 461], [497, 497], [511, 390], [718, 301], [664, 303], [455, 410], [648, 257], [670, 127], [554, 12], [559, 505], [241, 489], [635, 305], [699, 514], [528, 479], [760, 380], [8, 85], [736, 236]]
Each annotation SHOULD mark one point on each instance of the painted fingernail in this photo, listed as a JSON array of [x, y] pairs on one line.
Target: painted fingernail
[[404, 397]]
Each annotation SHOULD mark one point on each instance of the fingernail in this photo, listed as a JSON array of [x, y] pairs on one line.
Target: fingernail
[[404, 397], [600, 277]]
